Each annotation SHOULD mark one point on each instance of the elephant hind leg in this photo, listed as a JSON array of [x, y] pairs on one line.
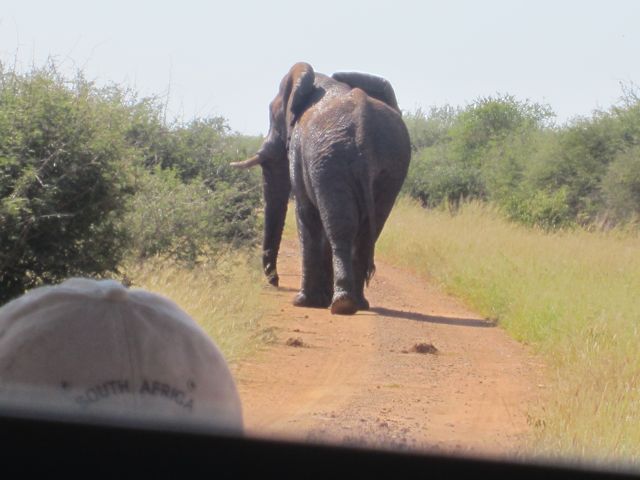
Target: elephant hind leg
[[341, 232], [316, 289], [340, 213]]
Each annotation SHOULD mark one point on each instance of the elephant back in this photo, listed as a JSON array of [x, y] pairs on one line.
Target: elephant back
[[374, 86]]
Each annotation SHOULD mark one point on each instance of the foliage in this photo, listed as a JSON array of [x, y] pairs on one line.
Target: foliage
[[189, 202], [510, 153], [201, 148], [186, 221], [88, 175], [621, 185], [489, 120], [431, 127], [460, 150], [64, 179], [434, 179]]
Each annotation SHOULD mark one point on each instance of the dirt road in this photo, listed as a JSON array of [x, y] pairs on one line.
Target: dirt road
[[359, 380]]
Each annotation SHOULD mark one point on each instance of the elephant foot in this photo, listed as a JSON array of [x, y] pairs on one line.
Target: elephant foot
[[363, 304], [343, 304], [273, 279], [310, 301]]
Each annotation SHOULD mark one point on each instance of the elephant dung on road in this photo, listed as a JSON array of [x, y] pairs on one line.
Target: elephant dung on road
[[342, 146]]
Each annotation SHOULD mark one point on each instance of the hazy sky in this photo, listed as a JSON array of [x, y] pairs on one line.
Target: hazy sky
[[227, 58]]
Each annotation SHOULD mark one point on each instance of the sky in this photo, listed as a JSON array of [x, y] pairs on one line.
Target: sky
[[210, 58]]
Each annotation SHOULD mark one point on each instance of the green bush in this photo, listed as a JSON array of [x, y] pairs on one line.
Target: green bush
[[75, 159], [466, 154], [546, 209], [430, 128], [186, 221], [621, 186], [189, 201], [433, 178], [492, 119], [64, 179], [508, 152]]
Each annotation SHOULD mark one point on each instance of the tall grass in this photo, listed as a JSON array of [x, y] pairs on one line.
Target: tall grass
[[223, 297], [572, 295]]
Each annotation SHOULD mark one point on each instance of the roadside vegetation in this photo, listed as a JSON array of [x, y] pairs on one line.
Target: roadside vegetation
[[535, 225], [511, 154], [224, 296], [95, 182], [570, 294]]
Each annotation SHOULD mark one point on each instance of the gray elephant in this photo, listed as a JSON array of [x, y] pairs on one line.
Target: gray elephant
[[340, 142]]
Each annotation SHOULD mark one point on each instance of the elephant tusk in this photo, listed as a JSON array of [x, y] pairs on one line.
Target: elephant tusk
[[250, 162]]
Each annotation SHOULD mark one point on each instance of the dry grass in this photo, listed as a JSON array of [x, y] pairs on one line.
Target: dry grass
[[224, 297], [573, 295]]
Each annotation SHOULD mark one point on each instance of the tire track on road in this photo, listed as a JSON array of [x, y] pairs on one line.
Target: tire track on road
[[356, 381]]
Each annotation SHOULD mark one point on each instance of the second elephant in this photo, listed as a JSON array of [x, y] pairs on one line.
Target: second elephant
[[341, 144]]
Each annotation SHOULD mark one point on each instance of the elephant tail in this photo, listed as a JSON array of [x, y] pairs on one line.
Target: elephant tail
[[371, 213]]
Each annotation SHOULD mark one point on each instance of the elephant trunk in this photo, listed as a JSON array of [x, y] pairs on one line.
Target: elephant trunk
[[276, 189], [276, 186]]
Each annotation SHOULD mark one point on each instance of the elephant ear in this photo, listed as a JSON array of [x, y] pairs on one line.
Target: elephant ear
[[300, 86], [376, 87]]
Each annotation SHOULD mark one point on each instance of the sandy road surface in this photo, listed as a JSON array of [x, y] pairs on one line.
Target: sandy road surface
[[356, 380]]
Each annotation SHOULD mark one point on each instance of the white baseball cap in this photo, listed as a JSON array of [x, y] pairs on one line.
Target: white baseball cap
[[93, 347]]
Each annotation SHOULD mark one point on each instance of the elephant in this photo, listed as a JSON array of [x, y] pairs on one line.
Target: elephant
[[340, 143]]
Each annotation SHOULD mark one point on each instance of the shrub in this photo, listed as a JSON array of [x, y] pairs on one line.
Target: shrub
[[545, 209], [434, 178], [74, 159], [185, 221], [189, 202], [465, 154], [64, 179], [509, 152], [621, 186], [430, 128], [579, 159]]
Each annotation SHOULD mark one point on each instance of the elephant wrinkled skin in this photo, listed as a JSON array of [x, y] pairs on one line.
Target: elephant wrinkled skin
[[342, 146]]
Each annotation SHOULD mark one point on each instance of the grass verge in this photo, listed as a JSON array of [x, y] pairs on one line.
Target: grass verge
[[224, 297], [572, 295]]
